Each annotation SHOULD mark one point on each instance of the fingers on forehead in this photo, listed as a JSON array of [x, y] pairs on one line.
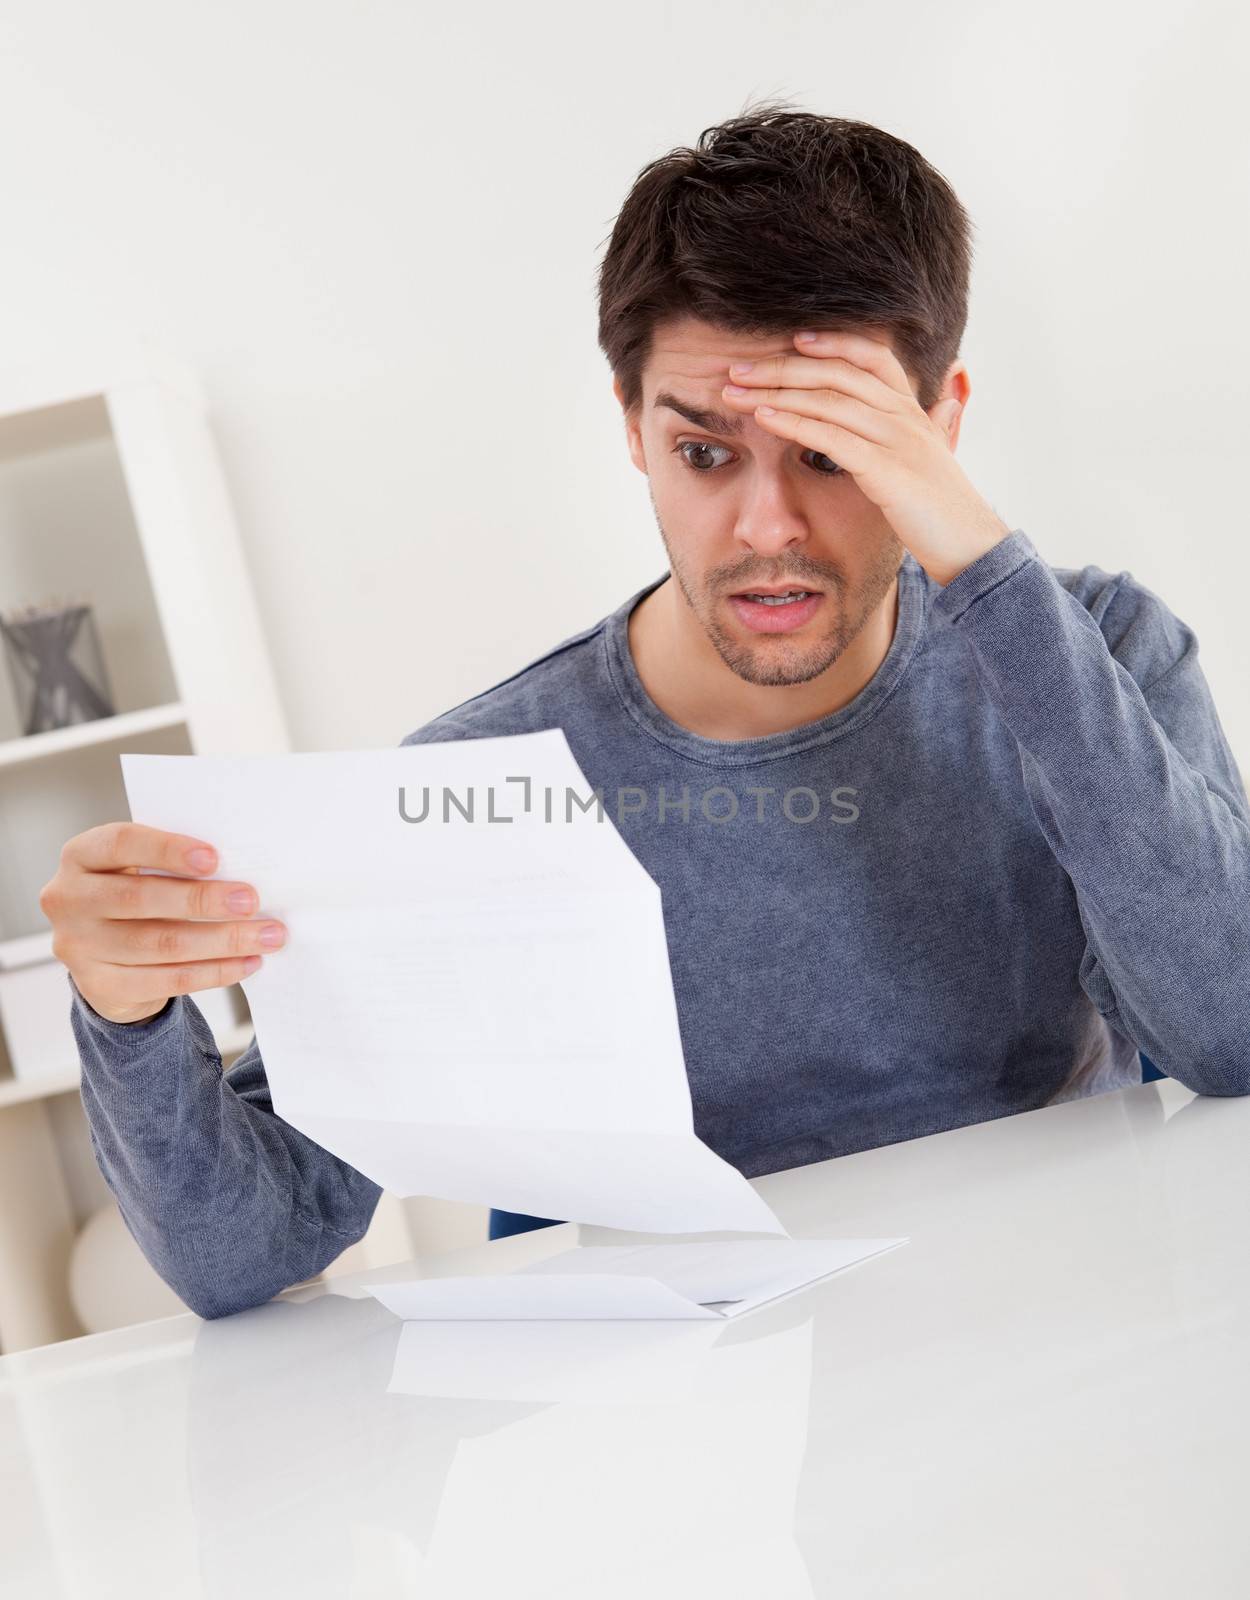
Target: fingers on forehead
[[860, 347]]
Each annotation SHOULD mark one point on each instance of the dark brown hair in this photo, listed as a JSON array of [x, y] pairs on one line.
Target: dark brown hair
[[781, 219]]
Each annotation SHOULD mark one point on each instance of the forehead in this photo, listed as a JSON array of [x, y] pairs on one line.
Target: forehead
[[697, 354]]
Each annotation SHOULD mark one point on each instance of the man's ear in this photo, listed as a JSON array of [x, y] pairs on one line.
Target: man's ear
[[633, 434], [948, 409]]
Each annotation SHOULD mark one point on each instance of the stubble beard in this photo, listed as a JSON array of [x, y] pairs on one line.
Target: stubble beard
[[777, 661]]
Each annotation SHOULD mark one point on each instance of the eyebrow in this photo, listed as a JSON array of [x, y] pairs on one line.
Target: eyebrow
[[709, 421]]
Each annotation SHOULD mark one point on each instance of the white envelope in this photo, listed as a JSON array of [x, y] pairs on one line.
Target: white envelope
[[711, 1281]]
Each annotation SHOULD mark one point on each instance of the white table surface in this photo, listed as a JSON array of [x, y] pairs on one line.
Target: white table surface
[[1043, 1394]]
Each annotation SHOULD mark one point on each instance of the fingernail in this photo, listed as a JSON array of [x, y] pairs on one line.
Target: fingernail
[[805, 337], [272, 935], [250, 964], [741, 366], [240, 900], [202, 860]]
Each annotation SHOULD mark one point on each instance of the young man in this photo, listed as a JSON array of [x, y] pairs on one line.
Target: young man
[[943, 833]]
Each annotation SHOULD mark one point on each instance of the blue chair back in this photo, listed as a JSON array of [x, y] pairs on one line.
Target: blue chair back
[[504, 1223]]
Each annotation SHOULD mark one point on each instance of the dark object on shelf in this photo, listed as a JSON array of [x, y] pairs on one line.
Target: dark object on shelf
[[56, 666]]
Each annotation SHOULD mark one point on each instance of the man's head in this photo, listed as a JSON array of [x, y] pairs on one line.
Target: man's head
[[778, 220]]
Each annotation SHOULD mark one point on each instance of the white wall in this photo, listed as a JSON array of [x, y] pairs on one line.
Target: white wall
[[373, 229]]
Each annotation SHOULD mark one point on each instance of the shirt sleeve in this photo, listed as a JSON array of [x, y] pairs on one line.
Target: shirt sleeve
[[228, 1202], [1132, 782]]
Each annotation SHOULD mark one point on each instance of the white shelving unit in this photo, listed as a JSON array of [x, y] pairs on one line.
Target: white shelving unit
[[110, 489]]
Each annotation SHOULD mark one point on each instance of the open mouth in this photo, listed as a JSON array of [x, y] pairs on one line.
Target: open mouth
[[776, 609], [787, 599]]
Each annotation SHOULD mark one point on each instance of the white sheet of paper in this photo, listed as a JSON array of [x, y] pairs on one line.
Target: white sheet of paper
[[477, 1007], [713, 1281]]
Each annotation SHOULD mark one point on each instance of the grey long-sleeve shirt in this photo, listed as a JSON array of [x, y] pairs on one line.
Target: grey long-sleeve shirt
[[1019, 856]]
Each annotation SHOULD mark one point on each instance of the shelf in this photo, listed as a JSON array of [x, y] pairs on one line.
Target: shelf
[[17, 1091], [103, 730], [25, 949], [111, 488]]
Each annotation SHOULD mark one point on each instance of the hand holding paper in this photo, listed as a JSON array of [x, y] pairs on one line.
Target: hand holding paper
[[476, 1004]]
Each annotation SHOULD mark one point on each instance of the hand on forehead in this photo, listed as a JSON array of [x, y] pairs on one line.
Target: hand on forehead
[[702, 353]]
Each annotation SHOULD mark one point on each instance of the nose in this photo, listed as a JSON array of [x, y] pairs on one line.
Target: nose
[[771, 520]]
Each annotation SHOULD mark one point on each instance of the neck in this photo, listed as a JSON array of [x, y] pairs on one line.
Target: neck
[[684, 674]]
